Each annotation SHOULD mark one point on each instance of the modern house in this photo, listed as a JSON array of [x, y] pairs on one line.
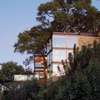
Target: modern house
[[58, 48], [63, 43]]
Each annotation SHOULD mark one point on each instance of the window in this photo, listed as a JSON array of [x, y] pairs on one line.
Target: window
[[64, 41], [71, 40], [59, 41], [58, 55]]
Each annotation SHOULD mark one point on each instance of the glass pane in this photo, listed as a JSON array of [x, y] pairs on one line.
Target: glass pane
[[59, 41], [64, 41], [59, 55], [71, 40]]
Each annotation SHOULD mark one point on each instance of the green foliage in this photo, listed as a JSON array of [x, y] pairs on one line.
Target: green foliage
[[93, 75], [82, 84], [62, 16], [33, 40], [27, 91], [9, 69]]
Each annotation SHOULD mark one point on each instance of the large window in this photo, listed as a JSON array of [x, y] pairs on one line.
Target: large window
[[64, 41], [71, 40], [59, 54], [59, 41]]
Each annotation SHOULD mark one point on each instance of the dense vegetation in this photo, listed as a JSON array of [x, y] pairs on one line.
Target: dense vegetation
[[80, 83], [83, 83], [57, 15], [8, 69], [69, 15]]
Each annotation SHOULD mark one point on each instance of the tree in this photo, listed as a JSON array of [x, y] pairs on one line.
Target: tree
[[9, 69], [83, 83], [57, 15], [34, 41], [62, 15], [27, 91]]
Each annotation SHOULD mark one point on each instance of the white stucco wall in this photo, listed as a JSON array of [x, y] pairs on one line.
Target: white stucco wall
[[23, 77], [62, 46]]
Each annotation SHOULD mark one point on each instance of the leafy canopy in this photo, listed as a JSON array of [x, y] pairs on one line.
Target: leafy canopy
[[71, 15]]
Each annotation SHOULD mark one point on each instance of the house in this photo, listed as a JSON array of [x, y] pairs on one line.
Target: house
[[59, 46]]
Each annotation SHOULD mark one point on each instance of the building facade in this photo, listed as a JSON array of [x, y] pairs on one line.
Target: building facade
[[59, 47]]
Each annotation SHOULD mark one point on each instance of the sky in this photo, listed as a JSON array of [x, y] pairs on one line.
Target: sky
[[15, 17]]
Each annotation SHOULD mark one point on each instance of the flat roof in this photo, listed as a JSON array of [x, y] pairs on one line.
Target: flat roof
[[75, 33]]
